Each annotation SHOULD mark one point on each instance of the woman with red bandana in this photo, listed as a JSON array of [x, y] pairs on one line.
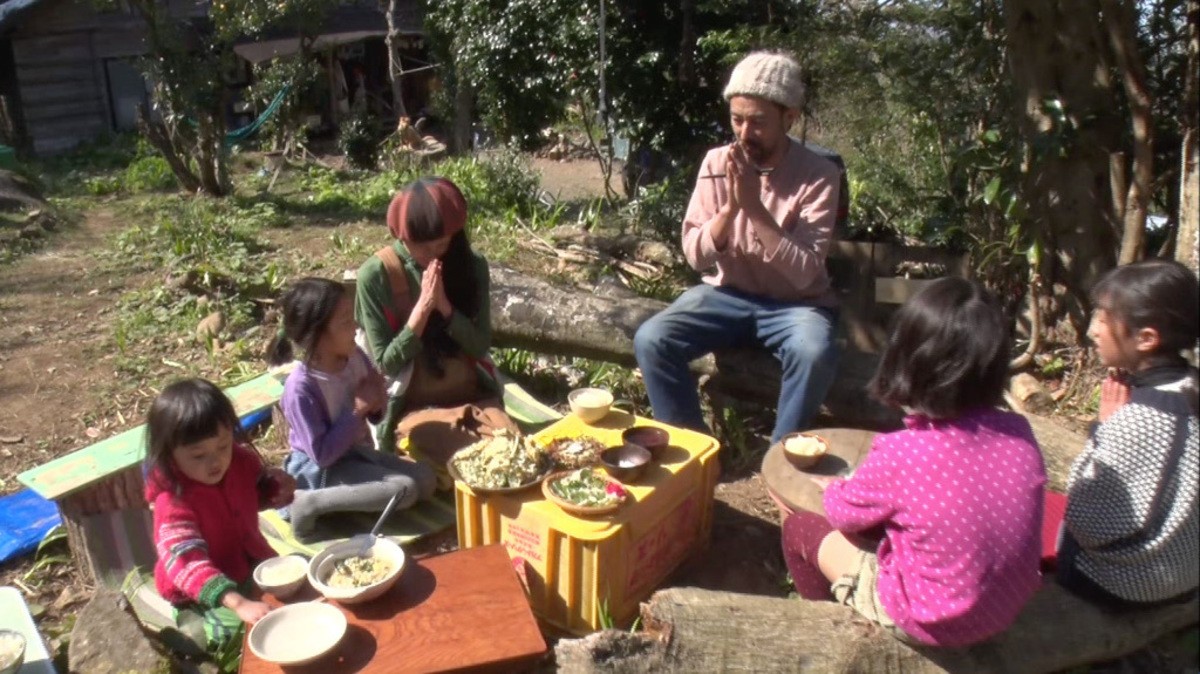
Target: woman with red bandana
[[424, 309]]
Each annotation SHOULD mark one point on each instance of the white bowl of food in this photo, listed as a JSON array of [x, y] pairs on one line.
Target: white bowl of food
[[590, 404], [281, 576], [12, 651], [357, 570], [297, 633]]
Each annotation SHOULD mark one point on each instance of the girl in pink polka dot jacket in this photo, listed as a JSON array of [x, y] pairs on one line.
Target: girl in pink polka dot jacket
[[936, 535]]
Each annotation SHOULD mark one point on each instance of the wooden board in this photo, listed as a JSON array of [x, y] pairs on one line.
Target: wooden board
[[464, 609], [94, 463], [847, 447]]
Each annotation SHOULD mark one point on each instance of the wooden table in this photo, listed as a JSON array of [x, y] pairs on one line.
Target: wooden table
[[847, 447], [461, 610]]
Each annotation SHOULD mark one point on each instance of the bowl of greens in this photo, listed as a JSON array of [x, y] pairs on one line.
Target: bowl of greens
[[586, 492]]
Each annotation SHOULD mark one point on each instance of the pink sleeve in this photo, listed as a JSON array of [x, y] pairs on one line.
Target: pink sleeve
[[801, 252], [707, 197], [866, 500]]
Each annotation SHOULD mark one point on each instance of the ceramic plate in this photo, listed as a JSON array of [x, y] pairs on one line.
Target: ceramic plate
[[297, 633]]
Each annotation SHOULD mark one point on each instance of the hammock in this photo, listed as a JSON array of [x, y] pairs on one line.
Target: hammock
[[239, 135]]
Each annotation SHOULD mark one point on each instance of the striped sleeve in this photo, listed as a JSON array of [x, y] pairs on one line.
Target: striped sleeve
[[184, 552]]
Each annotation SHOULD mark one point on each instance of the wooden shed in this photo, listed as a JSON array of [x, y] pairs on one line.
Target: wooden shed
[[68, 68], [73, 66]]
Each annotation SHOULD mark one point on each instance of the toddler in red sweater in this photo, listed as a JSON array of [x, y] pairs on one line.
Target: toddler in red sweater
[[206, 484]]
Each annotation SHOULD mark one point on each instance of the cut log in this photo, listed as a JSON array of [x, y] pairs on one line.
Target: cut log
[[694, 630], [530, 313]]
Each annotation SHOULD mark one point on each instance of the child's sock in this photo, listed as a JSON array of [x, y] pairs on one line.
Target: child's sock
[[367, 497], [803, 533]]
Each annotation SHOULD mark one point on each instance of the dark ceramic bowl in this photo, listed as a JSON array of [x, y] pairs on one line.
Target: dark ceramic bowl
[[626, 462], [652, 438]]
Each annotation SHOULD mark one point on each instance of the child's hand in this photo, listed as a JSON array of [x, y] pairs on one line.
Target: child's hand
[[284, 488], [822, 481], [1114, 393], [248, 610], [369, 398], [441, 300]]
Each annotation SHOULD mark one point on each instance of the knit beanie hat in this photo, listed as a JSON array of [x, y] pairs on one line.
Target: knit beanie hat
[[445, 197], [775, 77]]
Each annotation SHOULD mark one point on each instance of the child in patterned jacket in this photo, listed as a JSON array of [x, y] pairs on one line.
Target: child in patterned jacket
[[207, 484], [1131, 533]]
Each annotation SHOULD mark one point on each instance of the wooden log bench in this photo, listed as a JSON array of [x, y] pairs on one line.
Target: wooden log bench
[[695, 630], [533, 314]]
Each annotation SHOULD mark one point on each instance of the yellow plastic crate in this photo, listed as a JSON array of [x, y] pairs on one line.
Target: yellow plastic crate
[[578, 569]]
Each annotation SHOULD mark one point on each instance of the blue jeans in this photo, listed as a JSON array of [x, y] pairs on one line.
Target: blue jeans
[[706, 319]]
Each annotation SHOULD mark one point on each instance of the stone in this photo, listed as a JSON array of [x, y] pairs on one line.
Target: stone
[[107, 639], [210, 326]]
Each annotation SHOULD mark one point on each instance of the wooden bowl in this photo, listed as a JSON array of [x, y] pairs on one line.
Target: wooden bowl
[[652, 438], [571, 508], [625, 462], [809, 455]]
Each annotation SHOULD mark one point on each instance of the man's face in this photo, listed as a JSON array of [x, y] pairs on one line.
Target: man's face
[[760, 127]]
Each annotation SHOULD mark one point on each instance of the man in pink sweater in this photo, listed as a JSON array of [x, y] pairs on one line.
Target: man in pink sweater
[[758, 226]]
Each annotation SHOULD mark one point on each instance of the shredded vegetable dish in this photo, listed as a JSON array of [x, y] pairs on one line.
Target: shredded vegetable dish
[[571, 453], [359, 572], [587, 487], [500, 462]]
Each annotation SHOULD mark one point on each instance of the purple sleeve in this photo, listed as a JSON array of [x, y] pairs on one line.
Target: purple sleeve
[[867, 500], [311, 432]]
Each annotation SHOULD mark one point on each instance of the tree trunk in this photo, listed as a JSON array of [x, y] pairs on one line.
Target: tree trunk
[[1056, 52], [395, 66], [529, 313], [208, 157], [1187, 237], [1119, 22], [694, 630], [159, 137], [464, 112]]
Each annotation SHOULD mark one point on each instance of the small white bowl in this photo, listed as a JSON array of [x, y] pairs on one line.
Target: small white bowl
[[297, 633], [12, 651], [321, 568], [281, 576], [590, 404]]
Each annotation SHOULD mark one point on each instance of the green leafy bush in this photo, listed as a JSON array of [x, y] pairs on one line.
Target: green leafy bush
[[149, 174], [358, 139]]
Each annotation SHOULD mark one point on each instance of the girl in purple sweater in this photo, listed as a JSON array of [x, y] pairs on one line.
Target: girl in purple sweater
[[327, 400], [936, 535]]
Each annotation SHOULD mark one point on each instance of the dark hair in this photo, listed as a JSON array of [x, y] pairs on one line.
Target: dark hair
[[948, 351], [1158, 294], [306, 308], [186, 412]]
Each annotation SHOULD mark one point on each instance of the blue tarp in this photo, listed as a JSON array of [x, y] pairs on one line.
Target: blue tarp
[[25, 518]]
